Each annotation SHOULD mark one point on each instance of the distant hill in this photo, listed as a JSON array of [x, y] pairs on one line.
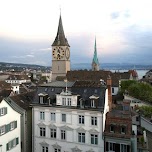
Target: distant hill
[[112, 66], [75, 66], [20, 66]]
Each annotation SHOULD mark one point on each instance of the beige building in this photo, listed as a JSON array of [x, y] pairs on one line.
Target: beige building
[[60, 53]]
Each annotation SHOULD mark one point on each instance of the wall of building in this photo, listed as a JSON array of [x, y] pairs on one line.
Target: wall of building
[[114, 90], [6, 119], [72, 134]]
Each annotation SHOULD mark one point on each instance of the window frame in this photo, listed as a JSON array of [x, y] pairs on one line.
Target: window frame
[[92, 103], [2, 130], [112, 130], [53, 116], [42, 131], [42, 115], [53, 133], [63, 134], [94, 138], [63, 116], [94, 121], [45, 149], [81, 119], [81, 137]]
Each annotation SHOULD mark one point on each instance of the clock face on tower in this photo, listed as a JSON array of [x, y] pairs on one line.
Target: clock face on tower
[[67, 53], [58, 53]]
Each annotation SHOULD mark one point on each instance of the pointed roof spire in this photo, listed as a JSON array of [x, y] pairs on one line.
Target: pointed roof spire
[[95, 58], [60, 39]]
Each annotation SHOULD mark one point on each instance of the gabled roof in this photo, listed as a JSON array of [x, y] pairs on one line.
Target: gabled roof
[[22, 100], [18, 77], [60, 39]]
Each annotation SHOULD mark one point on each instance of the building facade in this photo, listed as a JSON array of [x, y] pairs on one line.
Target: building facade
[[10, 138], [70, 121]]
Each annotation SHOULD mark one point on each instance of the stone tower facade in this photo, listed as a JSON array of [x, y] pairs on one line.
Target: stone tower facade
[[95, 62], [60, 53]]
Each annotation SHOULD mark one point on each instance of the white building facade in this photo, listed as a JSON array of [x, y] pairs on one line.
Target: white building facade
[[66, 128], [9, 128]]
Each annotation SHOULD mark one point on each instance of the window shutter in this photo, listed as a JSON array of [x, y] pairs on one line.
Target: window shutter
[[0, 112], [15, 124], [6, 129], [5, 110], [16, 141], [11, 143], [7, 148]]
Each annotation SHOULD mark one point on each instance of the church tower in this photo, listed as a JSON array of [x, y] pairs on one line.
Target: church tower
[[95, 62], [60, 53]]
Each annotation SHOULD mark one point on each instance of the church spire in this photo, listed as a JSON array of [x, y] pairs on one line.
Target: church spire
[[95, 62], [60, 39]]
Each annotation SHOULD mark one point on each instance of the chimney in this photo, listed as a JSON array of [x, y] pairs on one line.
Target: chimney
[[109, 83]]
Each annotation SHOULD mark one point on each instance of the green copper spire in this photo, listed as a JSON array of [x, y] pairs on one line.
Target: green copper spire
[[95, 62], [60, 39], [95, 58]]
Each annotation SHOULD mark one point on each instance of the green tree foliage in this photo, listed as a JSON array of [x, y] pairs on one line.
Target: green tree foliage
[[146, 111], [142, 91]]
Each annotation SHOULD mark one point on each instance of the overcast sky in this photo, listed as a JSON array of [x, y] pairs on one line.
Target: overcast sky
[[123, 30]]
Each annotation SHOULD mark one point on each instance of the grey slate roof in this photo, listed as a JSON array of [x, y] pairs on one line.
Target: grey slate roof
[[84, 89], [58, 84], [60, 39]]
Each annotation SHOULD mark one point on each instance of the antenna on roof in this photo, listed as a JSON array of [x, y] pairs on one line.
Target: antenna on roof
[[66, 88]]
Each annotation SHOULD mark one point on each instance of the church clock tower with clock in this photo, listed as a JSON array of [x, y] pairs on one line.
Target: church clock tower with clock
[[60, 53]]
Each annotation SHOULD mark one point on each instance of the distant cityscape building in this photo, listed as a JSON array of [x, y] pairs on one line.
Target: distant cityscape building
[[95, 62]]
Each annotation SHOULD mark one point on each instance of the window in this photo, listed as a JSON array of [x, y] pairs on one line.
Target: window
[[42, 115], [112, 146], [53, 133], [42, 131], [81, 137], [112, 128], [123, 148], [92, 103], [64, 101], [123, 129], [57, 150], [94, 121], [113, 90], [2, 130], [45, 149], [53, 118], [63, 134], [13, 125], [3, 111], [81, 119], [63, 117], [94, 139], [41, 99], [69, 101], [12, 144]]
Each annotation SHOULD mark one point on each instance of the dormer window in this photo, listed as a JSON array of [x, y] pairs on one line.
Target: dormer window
[[69, 101], [41, 99], [92, 103], [64, 101]]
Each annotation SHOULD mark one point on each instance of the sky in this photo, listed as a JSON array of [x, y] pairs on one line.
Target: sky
[[123, 30]]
